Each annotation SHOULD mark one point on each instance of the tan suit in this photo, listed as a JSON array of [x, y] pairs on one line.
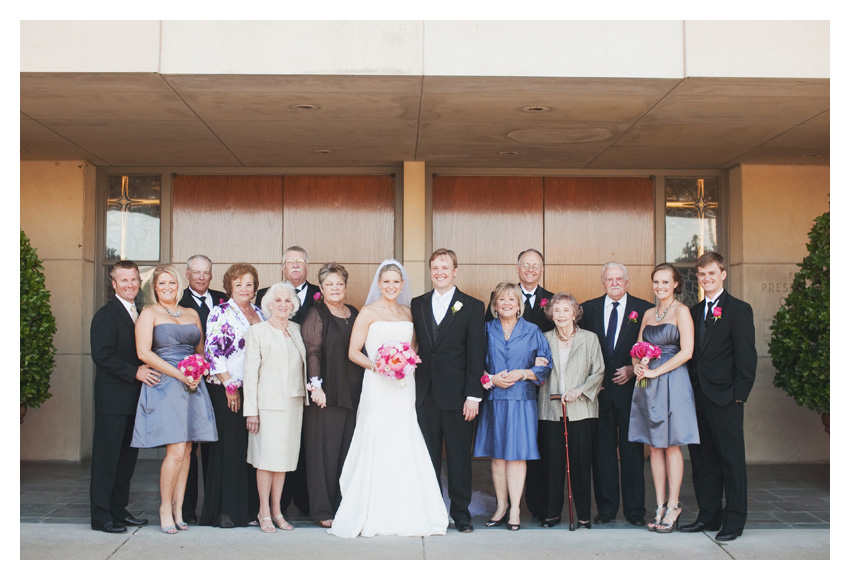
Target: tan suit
[[585, 370]]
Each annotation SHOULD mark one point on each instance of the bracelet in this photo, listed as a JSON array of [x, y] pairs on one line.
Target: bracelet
[[524, 374], [314, 384]]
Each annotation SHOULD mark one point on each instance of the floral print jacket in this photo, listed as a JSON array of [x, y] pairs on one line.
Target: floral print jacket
[[224, 347]]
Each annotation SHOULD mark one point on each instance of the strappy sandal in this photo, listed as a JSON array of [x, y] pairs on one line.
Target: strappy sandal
[[269, 529], [286, 526], [659, 515], [168, 529], [326, 523], [667, 525]]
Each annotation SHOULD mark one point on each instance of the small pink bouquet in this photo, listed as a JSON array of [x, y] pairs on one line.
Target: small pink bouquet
[[194, 366], [396, 360], [644, 351]]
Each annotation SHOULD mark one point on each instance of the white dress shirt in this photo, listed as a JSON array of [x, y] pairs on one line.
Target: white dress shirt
[[302, 292], [206, 298], [440, 304], [531, 298], [621, 312], [130, 308], [714, 300]]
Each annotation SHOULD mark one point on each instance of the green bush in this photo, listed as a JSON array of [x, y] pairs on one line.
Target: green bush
[[799, 344], [37, 329]]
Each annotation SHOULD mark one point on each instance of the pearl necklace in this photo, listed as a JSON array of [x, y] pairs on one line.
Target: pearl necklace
[[567, 339], [663, 314]]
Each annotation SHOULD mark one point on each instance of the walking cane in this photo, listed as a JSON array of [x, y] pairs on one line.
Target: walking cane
[[569, 483]]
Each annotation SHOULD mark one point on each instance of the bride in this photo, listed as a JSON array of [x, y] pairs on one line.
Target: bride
[[387, 482]]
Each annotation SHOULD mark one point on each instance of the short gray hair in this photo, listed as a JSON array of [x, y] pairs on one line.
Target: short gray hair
[[295, 249], [615, 265], [197, 257], [271, 293]]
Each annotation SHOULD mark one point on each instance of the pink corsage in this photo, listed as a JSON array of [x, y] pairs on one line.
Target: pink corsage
[[633, 316], [717, 312], [233, 386], [317, 297], [544, 302], [485, 381]]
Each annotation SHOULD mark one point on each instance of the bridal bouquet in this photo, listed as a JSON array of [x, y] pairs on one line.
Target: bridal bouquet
[[645, 352], [396, 360], [194, 366]]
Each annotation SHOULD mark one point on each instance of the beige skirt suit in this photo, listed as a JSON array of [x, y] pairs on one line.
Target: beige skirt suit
[[275, 389]]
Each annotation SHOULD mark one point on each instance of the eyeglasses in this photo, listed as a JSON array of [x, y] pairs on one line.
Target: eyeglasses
[[532, 267], [293, 261]]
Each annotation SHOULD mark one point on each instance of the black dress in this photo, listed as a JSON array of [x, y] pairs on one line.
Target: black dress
[[328, 431]]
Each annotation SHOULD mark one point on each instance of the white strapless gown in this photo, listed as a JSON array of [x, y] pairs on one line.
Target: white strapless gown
[[388, 484]]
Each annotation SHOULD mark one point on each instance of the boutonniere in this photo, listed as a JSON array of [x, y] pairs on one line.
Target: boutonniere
[[317, 297], [544, 302], [457, 306], [221, 301], [717, 312], [633, 316]]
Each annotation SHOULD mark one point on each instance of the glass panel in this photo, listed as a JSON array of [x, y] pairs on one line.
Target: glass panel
[[691, 293], [132, 217], [691, 217]]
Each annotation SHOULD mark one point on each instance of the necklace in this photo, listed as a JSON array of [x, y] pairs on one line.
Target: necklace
[[340, 310], [663, 314], [282, 328], [567, 339], [507, 333], [172, 314]]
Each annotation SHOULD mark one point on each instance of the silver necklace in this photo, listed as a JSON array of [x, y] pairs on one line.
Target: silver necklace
[[172, 314], [663, 314]]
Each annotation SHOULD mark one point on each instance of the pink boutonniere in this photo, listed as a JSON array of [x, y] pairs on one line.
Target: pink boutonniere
[[633, 316], [717, 312], [221, 301], [485, 381], [317, 297], [544, 302]]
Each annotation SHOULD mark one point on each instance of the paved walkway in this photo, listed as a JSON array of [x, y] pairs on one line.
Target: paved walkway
[[789, 518]]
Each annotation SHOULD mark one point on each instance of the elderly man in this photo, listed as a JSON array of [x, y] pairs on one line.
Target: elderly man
[[295, 265], [199, 297], [723, 370], [117, 384], [615, 317]]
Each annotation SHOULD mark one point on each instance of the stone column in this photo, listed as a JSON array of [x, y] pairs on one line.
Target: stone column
[[415, 253]]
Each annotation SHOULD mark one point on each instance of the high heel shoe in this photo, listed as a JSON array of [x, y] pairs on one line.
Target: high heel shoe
[[493, 523], [286, 526], [659, 515], [269, 529], [550, 522], [512, 527], [668, 524]]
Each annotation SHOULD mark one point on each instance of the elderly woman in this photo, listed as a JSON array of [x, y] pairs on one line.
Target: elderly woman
[[177, 411], [507, 426], [337, 383], [576, 378], [275, 395], [230, 486]]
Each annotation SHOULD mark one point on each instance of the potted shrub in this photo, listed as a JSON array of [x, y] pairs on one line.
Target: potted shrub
[[37, 329], [799, 343]]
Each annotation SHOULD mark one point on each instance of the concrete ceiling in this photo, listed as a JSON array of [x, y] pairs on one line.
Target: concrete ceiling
[[248, 121]]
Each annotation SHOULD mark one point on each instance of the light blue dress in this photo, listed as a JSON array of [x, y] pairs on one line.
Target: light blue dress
[[168, 413], [663, 414], [507, 423]]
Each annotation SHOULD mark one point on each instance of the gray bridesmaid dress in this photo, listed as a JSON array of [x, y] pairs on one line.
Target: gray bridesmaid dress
[[168, 413], [663, 414]]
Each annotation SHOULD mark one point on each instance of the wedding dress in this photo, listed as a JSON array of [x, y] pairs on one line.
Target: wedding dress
[[387, 483]]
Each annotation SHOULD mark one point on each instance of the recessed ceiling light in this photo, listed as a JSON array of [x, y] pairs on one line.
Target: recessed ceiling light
[[536, 109], [304, 107], [812, 155], [508, 152], [322, 151]]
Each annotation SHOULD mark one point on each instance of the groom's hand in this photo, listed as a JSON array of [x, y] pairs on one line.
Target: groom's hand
[[470, 410]]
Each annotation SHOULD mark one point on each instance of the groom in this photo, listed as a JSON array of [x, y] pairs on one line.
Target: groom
[[449, 326]]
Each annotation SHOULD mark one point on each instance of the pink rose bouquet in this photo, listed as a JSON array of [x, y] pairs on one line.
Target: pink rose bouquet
[[645, 352], [396, 360], [194, 366]]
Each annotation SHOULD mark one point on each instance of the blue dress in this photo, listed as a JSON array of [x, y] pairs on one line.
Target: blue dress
[[663, 414], [507, 423], [168, 413]]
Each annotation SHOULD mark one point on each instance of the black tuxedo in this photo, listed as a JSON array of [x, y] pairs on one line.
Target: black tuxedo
[[723, 369], [116, 395], [615, 403], [452, 356], [535, 315], [309, 301], [190, 498], [295, 485]]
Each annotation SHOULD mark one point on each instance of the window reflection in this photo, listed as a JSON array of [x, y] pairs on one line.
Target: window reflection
[[133, 217]]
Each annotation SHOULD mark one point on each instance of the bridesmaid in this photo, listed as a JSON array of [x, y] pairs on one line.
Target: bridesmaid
[[337, 384], [230, 488]]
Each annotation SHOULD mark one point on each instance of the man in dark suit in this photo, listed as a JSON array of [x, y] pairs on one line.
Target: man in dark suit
[[529, 269], [295, 265], [117, 385], [199, 297], [723, 369], [449, 327], [615, 317]]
